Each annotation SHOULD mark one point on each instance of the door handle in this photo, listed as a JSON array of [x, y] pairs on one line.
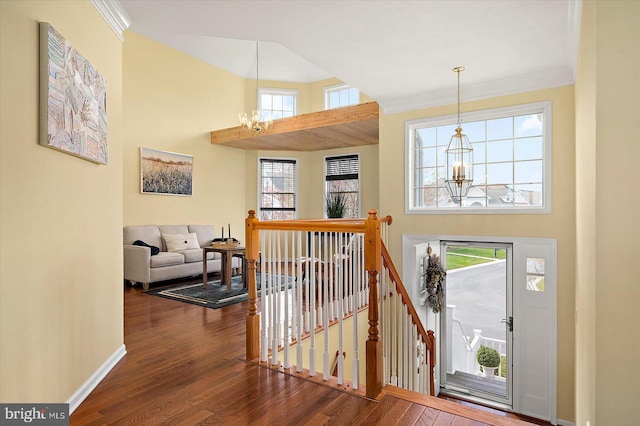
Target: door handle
[[509, 323]]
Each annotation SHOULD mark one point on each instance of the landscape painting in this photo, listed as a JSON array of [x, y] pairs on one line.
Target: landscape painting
[[166, 173], [73, 100]]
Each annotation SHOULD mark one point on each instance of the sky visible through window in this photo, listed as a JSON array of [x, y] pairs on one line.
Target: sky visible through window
[[275, 105], [341, 96]]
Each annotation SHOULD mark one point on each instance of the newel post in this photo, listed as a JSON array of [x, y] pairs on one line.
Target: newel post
[[252, 241], [373, 265]]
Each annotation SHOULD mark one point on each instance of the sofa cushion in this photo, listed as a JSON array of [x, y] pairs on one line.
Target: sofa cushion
[[177, 242], [166, 259], [149, 234], [194, 255], [171, 229], [206, 234]]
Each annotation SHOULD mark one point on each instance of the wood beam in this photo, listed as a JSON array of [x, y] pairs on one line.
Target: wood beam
[[336, 128]]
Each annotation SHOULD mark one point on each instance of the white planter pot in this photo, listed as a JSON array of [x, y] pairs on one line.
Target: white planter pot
[[488, 371]]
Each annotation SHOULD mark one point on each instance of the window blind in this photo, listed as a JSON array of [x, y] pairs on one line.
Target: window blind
[[278, 185], [343, 167]]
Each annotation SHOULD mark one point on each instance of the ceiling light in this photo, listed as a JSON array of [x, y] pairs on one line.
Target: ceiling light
[[459, 159], [252, 123]]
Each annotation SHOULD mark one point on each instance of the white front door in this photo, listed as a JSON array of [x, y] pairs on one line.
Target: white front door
[[533, 288]]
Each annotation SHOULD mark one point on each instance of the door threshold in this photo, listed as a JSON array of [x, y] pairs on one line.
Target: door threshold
[[489, 406], [475, 400]]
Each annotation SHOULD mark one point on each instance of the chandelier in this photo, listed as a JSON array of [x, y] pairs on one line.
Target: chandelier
[[459, 159], [252, 122]]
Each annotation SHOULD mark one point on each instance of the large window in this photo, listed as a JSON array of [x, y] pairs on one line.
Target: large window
[[342, 176], [276, 103], [278, 188], [340, 96], [512, 161]]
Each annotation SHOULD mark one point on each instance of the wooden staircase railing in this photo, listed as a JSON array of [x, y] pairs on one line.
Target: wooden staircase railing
[[335, 288]]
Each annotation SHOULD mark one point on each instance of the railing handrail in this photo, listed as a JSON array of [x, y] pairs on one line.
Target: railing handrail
[[464, 335], [318, 225], [375, 259], [406, 300]]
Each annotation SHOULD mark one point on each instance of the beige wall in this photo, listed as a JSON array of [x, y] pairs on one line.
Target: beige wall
[[172, 102], [558, 224], [304, 93], [310, 95], [607, 292], [317, 94], [61, 310], [586, 244], [311, 178]]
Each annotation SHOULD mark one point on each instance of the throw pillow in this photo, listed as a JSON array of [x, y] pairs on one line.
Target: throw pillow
[[154, 250], [177, 242]]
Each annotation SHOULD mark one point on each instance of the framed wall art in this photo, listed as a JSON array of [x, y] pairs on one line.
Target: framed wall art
[[165, 173], [73, 100]]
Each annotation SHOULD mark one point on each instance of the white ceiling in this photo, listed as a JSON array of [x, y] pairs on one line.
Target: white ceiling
[[401, 53]]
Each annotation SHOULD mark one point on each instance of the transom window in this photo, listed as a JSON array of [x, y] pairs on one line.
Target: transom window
[[340, 96], [342, 176], [278, 188], [277, 103], [512, 156]]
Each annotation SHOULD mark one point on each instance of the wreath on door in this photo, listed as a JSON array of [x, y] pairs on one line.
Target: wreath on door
[[434, 282]]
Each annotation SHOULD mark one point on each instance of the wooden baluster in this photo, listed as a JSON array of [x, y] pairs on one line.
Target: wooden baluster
[[373, 263], [340, 307], [252, 240], [312, 305], [273, 294], [394, 339], [327, 306], [353, 308], [263, 296], [288, 319], [300, 307], [432, 360]]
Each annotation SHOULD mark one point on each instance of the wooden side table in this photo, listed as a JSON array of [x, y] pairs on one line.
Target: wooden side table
[[227, 251]]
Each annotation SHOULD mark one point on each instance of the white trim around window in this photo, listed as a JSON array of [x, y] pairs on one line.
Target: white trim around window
[[411, 204], [290, 160], [325, 181], [352, 94], [281, 112]]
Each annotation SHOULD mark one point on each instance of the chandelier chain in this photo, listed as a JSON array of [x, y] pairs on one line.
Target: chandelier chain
[[458, 71], [258, 74]]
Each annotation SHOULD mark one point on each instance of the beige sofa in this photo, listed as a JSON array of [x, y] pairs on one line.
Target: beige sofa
[[180, 252]]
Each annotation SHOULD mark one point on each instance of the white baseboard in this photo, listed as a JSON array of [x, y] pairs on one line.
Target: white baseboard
[[565, 423], [87, 387]]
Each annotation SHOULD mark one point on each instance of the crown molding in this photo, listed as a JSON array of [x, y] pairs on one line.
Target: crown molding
[[547, 79], [114, 14]]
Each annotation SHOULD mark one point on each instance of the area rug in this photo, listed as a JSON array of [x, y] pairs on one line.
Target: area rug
[[214, 295]]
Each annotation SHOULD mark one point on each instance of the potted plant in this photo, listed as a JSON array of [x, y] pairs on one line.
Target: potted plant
[[336, 205], [489, 359]]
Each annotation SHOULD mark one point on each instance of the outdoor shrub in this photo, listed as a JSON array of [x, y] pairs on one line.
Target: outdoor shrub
[[488, 357]]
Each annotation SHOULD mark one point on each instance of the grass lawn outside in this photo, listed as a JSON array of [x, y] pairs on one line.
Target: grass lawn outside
[[460, 257]]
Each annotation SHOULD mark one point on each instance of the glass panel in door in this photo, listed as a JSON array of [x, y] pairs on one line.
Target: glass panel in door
[[476, 337]]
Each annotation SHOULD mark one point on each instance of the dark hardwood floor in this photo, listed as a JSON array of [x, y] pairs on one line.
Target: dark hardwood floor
[[184, 366]]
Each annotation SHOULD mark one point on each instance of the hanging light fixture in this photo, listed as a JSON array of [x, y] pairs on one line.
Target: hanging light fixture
[[252, 123], [459, 159]]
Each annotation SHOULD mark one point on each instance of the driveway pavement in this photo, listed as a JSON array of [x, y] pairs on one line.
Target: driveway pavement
[[479, 293]]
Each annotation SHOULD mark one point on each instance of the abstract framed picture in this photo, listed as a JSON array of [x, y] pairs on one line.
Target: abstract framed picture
[[166, 173], [73, 100]]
